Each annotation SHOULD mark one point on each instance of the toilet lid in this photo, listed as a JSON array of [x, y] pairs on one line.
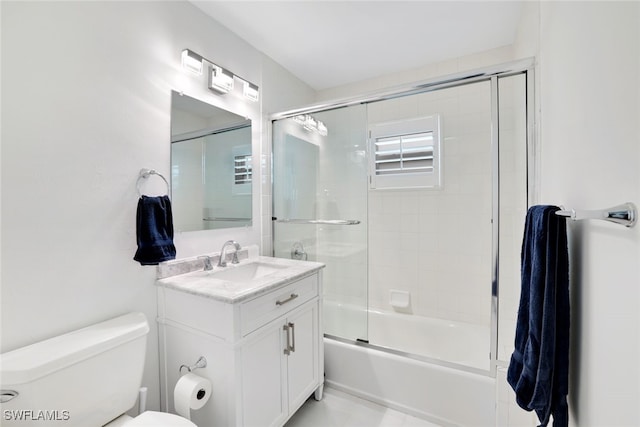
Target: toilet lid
[[159, 419]]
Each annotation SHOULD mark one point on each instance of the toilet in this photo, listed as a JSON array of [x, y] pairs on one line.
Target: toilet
[[88, 377]]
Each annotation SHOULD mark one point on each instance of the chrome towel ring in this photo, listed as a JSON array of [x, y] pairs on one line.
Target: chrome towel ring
[[144, 174]]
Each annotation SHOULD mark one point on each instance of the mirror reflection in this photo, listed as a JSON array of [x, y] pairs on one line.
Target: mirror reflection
[[211, 166]]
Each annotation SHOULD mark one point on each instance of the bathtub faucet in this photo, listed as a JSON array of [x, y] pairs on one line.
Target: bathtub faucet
[[223, 254]]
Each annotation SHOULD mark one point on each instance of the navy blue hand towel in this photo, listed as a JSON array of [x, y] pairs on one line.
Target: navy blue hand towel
[[154, 230], [539, 367]]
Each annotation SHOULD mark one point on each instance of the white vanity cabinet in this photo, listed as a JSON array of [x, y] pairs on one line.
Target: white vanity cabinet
[[280, 367], [264, 350]]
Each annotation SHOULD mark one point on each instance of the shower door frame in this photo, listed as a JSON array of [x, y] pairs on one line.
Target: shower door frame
[[491, 74]]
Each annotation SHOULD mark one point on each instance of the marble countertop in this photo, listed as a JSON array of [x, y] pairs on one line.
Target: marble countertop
[[206, 284]]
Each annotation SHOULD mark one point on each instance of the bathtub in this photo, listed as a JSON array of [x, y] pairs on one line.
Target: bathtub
[[448, 383]]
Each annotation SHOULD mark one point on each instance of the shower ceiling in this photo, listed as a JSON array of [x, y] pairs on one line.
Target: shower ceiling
[[331, 43]]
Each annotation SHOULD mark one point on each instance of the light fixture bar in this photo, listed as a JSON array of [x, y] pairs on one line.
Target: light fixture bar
[[220, 79]]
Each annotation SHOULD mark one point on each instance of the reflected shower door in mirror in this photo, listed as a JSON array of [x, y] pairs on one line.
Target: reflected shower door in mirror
[[211, 166]]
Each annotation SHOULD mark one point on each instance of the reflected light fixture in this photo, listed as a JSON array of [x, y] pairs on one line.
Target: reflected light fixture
[[322, 128], [220, 80], [310, 123]]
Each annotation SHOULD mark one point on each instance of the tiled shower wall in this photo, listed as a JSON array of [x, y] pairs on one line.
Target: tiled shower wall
[[436, 243]]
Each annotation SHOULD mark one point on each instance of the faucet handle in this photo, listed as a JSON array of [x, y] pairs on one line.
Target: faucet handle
[[207, 262]]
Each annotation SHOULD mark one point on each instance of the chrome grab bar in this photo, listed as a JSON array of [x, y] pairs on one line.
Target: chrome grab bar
[[321, 221], [292, 297]]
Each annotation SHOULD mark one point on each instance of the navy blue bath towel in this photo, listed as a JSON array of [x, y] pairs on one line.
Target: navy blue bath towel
[[539, 367], [154, 230]]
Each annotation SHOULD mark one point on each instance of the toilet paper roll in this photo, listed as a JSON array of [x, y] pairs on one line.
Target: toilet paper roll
[[191, 392]]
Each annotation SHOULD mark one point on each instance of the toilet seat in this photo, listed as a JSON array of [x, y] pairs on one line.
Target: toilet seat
[[159, 419]]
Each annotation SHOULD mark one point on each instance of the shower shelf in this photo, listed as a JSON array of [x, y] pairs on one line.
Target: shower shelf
[[320, 221]]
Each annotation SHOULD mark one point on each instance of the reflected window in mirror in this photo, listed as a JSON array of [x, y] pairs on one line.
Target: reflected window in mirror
[[211, 166]]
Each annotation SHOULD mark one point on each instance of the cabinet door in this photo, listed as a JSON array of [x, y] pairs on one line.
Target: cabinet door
[[263, 376], [302, 363]]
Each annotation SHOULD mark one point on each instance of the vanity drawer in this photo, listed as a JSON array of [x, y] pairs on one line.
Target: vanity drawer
[[265, 308]]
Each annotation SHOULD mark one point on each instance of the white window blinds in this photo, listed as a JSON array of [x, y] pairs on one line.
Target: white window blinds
[[402, 154], [243, 170], [406, 154]]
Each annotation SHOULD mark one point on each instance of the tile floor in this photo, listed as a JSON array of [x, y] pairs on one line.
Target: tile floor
[[338, 409]]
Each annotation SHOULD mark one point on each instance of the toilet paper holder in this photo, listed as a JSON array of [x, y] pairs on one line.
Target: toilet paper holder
[[200, 363]]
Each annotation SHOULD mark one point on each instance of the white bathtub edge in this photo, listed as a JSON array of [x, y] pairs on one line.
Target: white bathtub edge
[[438, 394]]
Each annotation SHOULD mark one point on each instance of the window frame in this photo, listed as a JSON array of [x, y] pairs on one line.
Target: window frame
[[406, 179]]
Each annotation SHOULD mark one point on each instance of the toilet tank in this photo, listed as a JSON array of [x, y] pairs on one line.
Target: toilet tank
[[84, 378]]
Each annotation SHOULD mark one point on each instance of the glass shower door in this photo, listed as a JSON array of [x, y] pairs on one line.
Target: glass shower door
[[320, 208]]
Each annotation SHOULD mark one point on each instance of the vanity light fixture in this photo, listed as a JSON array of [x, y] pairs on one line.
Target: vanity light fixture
[[250, 91], [192, 61], [220, 80]]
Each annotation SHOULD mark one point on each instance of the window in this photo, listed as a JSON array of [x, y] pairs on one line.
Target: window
[[406, 154]]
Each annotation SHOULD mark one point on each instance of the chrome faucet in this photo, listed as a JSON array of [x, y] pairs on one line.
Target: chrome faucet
[[207, 262], [223, 253]]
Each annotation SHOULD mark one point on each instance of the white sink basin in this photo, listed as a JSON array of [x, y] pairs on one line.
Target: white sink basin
[[245, 272], [239, 282]]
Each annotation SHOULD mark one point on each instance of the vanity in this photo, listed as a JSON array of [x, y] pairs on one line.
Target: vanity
[[258, 325]]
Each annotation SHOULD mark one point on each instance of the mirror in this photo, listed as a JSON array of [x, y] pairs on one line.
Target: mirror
[[211, 166]]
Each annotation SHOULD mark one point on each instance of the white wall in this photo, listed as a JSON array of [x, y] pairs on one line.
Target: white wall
[[588, 81], [86, 93], [590, 142]]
